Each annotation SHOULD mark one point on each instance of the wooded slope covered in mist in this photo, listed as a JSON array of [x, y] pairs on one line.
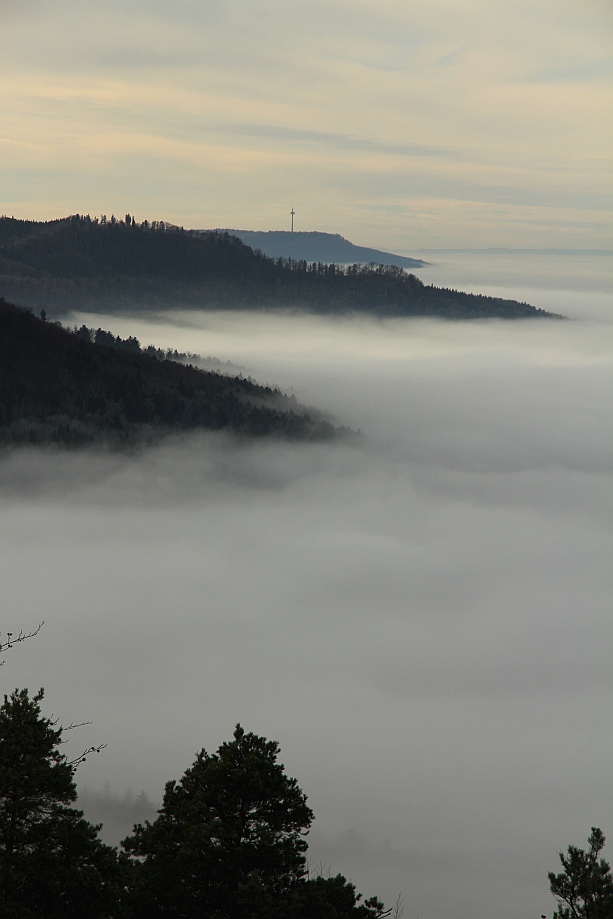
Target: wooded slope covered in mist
[[84, 263], [57, 387]]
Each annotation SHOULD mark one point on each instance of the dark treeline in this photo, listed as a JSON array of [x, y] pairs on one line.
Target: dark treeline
[[59, 386], [112, 264], [102, 337]]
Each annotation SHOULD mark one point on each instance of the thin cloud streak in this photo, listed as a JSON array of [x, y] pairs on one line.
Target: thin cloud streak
[[295, 105], [339, 141]]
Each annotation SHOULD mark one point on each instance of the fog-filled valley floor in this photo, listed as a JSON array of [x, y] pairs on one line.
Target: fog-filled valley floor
[[420, 616]]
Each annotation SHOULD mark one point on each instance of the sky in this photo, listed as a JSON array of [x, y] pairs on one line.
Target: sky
[[420, 616], [398, 123]]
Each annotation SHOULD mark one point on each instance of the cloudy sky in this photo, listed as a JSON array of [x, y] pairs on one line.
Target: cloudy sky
[[398, 123], [421, 617]]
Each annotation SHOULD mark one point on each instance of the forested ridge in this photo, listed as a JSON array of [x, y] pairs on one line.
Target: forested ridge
[[110, 264], [62, 386]]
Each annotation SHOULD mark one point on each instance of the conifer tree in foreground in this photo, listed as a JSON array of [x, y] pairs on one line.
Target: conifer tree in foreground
[[229, 843], [584, 890], [52, 863]]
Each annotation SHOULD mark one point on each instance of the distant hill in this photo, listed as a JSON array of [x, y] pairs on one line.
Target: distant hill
[[607, 253], [58, 386], [118, 265], [320, 247]]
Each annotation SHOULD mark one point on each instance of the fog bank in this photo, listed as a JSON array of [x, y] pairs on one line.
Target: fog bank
[[421, 616]]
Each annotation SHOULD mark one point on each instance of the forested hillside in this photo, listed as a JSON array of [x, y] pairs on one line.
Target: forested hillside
[[85, 263], [60, 386]]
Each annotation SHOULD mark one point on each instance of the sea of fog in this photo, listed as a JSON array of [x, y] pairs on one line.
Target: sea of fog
[[421, 616], [576, 284]]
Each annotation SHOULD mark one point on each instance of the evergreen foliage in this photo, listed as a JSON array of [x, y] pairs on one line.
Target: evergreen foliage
[[229, 838], [229, 843], [58, 386], [80, 262], [52, 863], [329, 898], [101, 337], [584, 890]]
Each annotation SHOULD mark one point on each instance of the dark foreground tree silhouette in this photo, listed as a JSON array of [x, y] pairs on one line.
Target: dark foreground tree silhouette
[[52, 863], [229, 843], [330, 898], [584, 890]]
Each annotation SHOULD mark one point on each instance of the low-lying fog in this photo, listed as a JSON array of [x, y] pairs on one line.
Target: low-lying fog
[[421, 616]]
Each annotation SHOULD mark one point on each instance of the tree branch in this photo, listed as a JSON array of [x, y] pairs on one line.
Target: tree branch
[[12, 639]]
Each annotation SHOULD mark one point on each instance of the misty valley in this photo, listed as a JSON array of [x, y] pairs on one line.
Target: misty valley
[[91, 385], [80, 386], [377, 542], [306, 459]]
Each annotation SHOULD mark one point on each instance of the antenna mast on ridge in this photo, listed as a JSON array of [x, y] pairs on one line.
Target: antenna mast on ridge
[[292, 212]]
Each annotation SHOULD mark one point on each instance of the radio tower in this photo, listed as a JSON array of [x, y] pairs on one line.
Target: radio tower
[[292, 212]]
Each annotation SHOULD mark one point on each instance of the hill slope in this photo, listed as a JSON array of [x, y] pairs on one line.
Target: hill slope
[[320, 247], [79, 263], [57, 387]]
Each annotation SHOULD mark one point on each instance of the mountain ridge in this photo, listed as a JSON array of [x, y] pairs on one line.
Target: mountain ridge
[[82, 263], [316, 246]]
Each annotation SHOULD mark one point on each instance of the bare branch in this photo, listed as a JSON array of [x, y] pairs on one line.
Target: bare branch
[[71, 727], [398, 908], [12, 639], [81, 759]]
